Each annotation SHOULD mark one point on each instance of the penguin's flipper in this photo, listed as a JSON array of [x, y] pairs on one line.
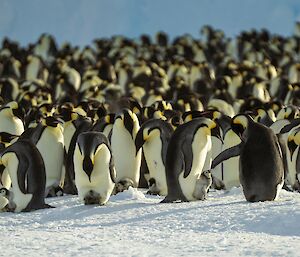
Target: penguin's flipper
[[187, 152], [226, 154]]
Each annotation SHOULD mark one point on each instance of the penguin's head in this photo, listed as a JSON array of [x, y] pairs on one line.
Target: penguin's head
[[51, 121], [288, 112], [128, 119], [16, 109], [293, 141], [7, 138], [89, 144], [215, 129], [4, 192], [239, 123], [144, 134]]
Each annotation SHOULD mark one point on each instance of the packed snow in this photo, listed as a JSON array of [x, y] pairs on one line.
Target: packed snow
[[135, 224]]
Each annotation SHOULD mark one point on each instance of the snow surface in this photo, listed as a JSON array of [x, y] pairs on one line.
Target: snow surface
[[135, 224]]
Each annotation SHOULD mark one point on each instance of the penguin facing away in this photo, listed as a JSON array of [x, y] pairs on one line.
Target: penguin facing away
[[261, 168], [153, 137], [94, 168], [27, 172], [186, 155]]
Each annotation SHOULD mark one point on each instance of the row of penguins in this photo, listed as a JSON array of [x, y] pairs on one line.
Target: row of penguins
[[177, 118]]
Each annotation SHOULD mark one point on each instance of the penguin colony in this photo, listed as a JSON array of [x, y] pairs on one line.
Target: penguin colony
[[175, 117]]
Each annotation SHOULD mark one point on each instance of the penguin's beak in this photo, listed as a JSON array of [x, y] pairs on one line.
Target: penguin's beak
[[216, 131], [88, 166], [139, 140]]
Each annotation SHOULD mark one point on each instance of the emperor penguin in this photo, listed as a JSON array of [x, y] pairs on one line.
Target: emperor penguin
[[95, 173], [293, 176], [11, 116], [186, 155], [27, 172], [261, 168], [127, 161], [153, 137], [48, 137]]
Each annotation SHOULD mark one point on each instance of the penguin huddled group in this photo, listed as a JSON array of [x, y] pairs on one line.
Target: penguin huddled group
[[175, 117]]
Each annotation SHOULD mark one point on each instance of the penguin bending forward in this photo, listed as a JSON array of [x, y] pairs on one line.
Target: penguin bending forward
[[94, 168], [27, 172], [261, 168], [186, 155]]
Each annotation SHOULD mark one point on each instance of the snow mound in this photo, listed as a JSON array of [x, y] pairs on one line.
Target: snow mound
[[130, 194]]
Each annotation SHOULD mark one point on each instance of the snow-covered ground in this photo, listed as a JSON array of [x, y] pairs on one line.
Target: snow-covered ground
[[135, 224]]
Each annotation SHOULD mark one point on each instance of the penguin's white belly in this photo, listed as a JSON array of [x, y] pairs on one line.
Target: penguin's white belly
[[292, 174], [51, 148], [21, 200], [101, 181], [69, 131], [153, 151], [127, 163], [200, 146], [231, 166], [5, 179], [13, 126], [3, 202], [216, 149], [107, 130]]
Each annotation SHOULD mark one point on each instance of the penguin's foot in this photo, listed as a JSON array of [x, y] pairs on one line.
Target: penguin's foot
[[287, 188]]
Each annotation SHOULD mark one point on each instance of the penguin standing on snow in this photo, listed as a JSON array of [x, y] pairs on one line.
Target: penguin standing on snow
[[154, 136], [48, 136], [27, 172], [261, 166], [294, 160], [186, 155], [127, 161], [94, 168]]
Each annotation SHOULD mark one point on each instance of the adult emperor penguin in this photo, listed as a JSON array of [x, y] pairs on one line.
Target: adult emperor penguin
[[293, 176], [11, 118], [154, 136], [27, 172], [261, 168], [186, 155], [127, 161], [94, 168], [48, 137]]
